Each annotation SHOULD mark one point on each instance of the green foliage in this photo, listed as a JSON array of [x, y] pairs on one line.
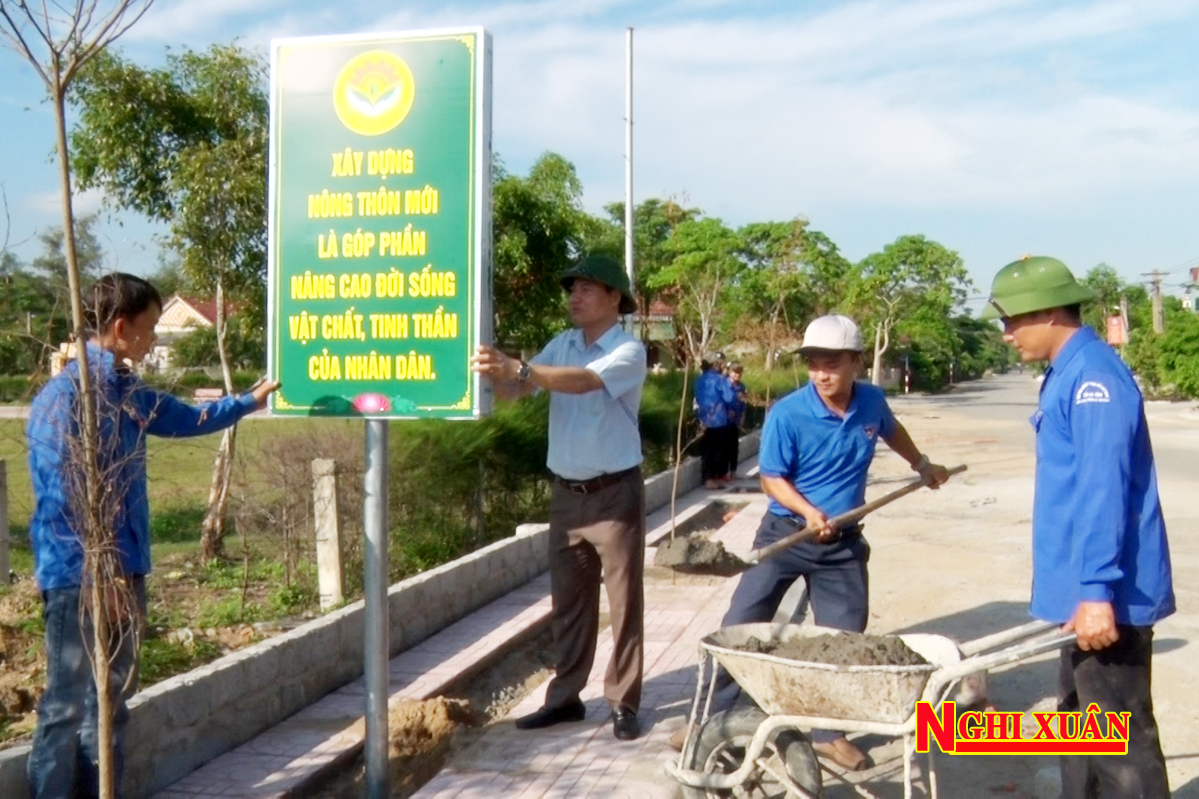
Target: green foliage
[[704, 266], [35, 314], [229, 611], [185, 144], [294, 598], [19, 388], [538, 225], [982, 348], [1168, 364], [654, 222], [184, 384], [245, 346], [161, 659], [176, 524], [915, 281]]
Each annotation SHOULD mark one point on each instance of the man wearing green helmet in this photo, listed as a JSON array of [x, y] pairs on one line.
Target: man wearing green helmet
[[1101, 562], [594, 374]]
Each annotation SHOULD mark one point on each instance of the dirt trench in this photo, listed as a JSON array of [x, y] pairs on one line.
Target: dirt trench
[[425, 734]]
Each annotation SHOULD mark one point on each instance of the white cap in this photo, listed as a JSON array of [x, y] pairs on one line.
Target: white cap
[[833, 332]]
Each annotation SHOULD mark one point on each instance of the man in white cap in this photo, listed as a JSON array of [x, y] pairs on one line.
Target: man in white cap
[[816, 449]]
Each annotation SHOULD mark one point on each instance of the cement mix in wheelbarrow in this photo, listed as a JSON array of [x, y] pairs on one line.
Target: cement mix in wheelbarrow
[[698, 554], [843, 649]]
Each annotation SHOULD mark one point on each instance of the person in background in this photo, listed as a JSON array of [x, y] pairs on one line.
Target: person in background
[[713, 393], [1100, 558], [122, 313], [737, 407]]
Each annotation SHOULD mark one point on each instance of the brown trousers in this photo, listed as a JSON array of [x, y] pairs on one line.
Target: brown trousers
[[590, 534]]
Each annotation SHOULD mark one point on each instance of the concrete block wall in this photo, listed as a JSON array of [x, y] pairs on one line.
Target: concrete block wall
[[181, 723]]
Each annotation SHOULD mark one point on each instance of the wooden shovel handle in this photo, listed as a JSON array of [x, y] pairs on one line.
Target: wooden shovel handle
[[837, 522]]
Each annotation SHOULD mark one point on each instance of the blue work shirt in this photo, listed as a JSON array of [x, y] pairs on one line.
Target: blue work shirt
[[826, 457], [597, 432], [738, 405], [713, 394], [1097, 527], [128, 409]]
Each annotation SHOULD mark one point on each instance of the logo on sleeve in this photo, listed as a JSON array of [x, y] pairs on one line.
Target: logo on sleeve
[[870, 430], [1091, 391]]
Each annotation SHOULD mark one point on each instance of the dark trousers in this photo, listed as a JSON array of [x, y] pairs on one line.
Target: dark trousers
[[837, 582], [65, 758], [592, 537], [1117, 679], [713, 452], [732, 448]]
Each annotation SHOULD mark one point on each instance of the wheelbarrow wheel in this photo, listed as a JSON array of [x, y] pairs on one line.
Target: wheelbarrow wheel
[[720, 749]]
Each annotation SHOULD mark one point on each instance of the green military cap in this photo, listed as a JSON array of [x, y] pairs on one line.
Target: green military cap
[[1034, 283], [606, 270]]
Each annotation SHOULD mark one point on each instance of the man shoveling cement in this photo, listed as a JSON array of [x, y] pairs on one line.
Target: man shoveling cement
[[816, 451]]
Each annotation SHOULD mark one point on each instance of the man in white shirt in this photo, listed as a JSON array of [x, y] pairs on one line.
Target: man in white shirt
[[594, 374]]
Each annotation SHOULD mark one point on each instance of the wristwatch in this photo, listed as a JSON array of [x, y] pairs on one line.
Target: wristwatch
[[524, 373], [921, 466]]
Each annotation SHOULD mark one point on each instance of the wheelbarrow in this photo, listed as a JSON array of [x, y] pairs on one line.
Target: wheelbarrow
[[735, 753]]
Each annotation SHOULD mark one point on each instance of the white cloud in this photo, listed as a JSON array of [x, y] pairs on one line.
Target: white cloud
[[50, 203], [169, 23]]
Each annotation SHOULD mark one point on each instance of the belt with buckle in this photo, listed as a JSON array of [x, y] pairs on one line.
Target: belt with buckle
[[595, 483]]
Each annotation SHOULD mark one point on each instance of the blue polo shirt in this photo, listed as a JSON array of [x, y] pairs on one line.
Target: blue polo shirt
[[825, 456], [1097, 526]]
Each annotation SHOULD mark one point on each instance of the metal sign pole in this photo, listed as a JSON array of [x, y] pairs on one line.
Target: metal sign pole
[[376, 648]]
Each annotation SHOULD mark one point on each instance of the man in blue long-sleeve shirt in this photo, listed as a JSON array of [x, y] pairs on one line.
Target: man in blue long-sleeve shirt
[[1101, 563], [713, 395], [122, 312]]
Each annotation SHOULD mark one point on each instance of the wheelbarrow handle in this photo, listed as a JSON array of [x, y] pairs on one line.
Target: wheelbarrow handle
[[837, 522], [971, 665]]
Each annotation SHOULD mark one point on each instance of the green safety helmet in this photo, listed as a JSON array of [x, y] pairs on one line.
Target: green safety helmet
[[1034, 283], [602, 269]]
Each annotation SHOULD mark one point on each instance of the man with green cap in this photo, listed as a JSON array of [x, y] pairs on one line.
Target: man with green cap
[[594, 374], [1101, 562]]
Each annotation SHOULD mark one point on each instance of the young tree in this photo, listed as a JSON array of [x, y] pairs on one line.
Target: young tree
[[654, 222], [58, 40], [187, 144], [910, 274], [704, 265]]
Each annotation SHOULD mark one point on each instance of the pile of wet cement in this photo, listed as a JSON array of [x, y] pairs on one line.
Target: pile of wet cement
[[840, 649], [698, 554]]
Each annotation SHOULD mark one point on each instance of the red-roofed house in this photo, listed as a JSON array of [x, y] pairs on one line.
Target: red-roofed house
[[180, 316]]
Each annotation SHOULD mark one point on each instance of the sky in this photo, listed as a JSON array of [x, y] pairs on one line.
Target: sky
[[998, 128]]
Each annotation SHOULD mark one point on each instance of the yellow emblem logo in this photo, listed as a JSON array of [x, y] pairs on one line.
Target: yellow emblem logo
[[373, 92]]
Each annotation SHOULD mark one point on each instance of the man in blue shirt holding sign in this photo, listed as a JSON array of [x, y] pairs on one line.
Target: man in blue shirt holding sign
[[1101, 563], [817, 447]]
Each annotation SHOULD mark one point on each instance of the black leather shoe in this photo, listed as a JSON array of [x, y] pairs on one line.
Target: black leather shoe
[[549, 716], [624, 724]]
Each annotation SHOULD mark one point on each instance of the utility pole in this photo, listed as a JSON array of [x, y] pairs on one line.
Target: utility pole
[[1159, 324], [628, 165]]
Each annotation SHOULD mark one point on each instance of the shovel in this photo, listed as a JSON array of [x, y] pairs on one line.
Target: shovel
[[714, 560], [756, 556]]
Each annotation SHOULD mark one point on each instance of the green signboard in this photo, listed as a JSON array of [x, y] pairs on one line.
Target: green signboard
[[380, 224]]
